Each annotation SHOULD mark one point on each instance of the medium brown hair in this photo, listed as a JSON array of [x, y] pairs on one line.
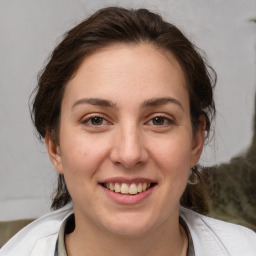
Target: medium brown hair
[[118, 25]]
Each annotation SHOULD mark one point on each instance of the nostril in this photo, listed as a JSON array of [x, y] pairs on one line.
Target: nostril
[[128, 149]]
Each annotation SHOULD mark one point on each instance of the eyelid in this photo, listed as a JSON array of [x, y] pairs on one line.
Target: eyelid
[[85, 119], [168, 117]]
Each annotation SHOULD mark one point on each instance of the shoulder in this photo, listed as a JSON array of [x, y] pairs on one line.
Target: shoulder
[[219, 236], [38, 235]]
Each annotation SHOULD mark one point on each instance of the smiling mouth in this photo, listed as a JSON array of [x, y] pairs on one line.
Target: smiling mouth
[[128, 189]]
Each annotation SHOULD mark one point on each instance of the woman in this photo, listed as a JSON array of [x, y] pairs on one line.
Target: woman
[[123, 106]]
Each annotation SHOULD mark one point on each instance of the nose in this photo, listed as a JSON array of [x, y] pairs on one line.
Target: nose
[[129, 149]]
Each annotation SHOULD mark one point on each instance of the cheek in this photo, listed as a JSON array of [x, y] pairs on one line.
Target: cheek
[[81, 155], [173, 153], [172, 157], [81, 159]]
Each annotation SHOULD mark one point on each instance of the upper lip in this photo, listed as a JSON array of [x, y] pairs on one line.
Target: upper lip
[[127, 180]]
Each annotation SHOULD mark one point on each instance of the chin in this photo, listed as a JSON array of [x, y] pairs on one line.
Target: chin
[[130, 226], [129, 231]]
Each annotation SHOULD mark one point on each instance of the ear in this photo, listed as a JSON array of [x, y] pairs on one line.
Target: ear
[[54, 153], [198, 141]]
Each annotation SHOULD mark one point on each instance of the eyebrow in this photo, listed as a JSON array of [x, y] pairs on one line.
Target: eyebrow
[[95, 101], [161, 101], [107, 103]]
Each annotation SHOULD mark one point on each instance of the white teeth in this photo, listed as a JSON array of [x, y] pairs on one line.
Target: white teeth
[[117, 188], [124, 188], [133, 189], [139, 189], [111, 187]]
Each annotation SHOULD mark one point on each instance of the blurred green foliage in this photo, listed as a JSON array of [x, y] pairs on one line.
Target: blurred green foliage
[[232, 187]]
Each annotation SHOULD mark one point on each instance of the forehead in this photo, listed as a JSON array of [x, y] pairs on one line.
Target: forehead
[[132, 57], [128, 69]]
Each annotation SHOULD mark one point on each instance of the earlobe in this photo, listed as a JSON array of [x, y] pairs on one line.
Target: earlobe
[[199, 139], [54, 153]]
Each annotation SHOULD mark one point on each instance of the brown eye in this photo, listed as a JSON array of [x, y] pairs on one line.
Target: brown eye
[[159, 120], [96, 120]]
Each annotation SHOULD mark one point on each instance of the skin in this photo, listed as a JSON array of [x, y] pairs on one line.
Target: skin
[[128, 141]]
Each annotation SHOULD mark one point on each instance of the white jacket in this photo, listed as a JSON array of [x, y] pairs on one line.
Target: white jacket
[[210, 237]]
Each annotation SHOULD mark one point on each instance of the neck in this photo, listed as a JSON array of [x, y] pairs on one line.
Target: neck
[[169, 239]]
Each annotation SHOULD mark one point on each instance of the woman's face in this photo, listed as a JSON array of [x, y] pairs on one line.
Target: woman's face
[[126, 144]]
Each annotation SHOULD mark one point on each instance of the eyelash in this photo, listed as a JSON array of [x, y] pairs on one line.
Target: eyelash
[[89, 120], [165, 119]]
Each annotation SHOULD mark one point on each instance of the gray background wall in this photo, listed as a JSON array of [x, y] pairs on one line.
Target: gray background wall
[[30, 29]]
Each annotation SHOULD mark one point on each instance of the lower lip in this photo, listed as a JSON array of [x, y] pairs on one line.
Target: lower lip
[[126, 198]]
